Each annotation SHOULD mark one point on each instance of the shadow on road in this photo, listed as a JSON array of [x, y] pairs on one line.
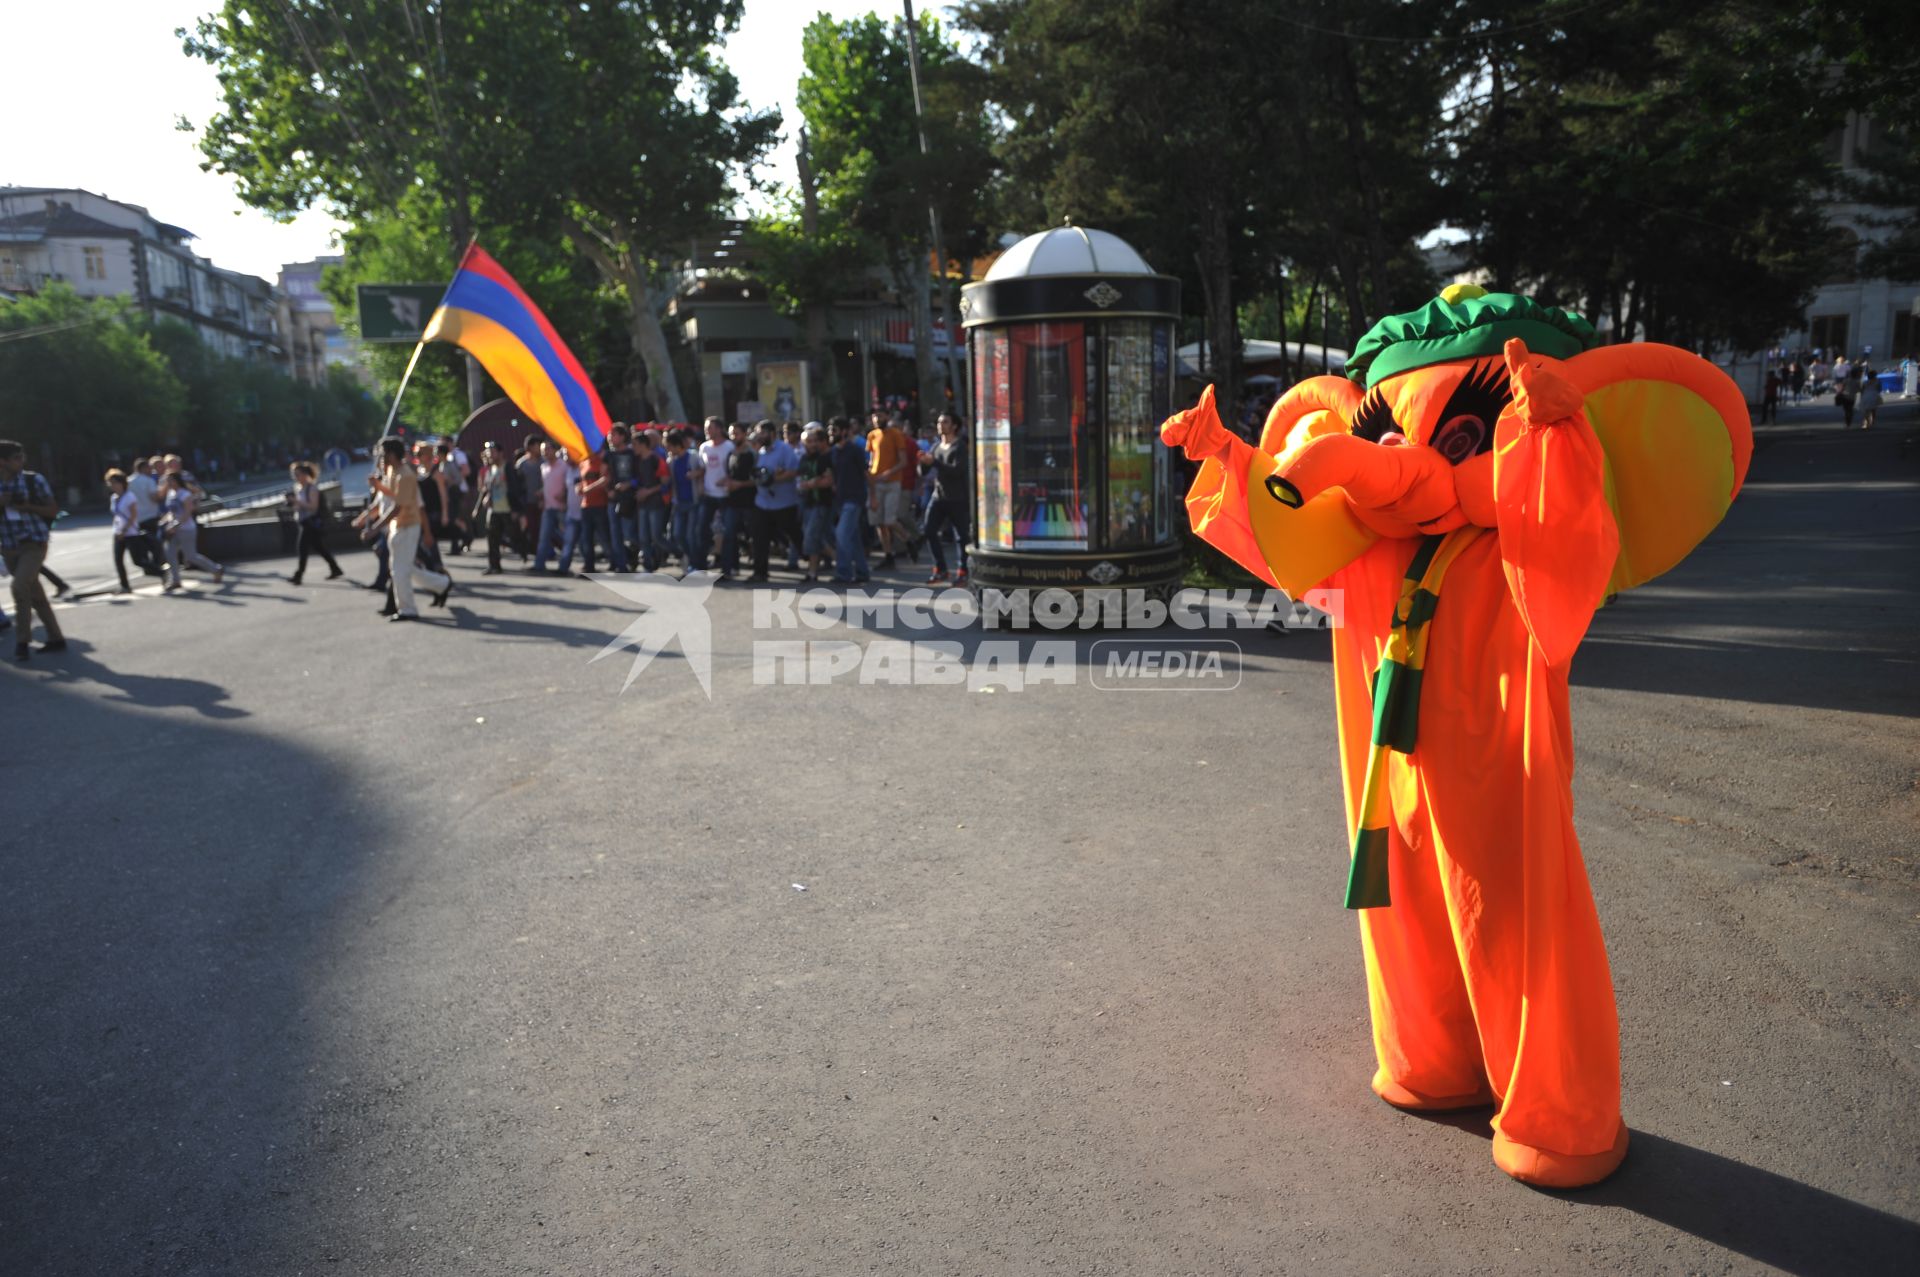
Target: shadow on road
[[167, 918], [149, 691], [1768, 1218]]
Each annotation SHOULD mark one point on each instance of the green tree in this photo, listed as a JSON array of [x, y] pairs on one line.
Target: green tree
[[242, 409], [405, 247], [1245, 147], [1656, 164], [856, 96], [613, 122], [83, 383]]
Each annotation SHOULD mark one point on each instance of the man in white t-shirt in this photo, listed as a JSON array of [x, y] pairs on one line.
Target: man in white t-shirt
[[553, 510], [713, 483], [145, 548]]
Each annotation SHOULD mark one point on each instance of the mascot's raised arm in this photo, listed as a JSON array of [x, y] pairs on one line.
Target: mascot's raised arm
[[1475, 491]]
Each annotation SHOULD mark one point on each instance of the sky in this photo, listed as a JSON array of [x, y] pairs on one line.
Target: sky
[[99, 84]]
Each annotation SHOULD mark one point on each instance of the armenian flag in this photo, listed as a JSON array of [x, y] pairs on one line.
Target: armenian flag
[[486, 314]]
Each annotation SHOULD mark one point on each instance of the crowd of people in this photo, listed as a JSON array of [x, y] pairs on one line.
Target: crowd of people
[[818, 497], [822, 499], [155, 526], [1853, 383]]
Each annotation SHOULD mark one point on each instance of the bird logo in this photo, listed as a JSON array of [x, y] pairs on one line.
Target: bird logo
[[672, 609]]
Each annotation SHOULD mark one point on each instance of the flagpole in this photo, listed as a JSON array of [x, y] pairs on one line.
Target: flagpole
[[394, 411], [419, 345]]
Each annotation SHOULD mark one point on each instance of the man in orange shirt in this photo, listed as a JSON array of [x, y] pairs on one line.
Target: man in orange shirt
[[887, 462]]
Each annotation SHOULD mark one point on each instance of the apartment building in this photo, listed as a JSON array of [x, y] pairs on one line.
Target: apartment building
[[108, 248]]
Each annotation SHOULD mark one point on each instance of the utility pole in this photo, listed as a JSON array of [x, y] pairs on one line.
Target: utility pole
[[933, 217]]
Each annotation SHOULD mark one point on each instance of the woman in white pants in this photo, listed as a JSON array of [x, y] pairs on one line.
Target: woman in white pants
[[398, 482], [183, 532]]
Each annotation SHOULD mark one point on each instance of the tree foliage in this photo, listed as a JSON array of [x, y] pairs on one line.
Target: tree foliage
[[614, 123], [1236, 145], [875, 186], [92, 380], [1648, 163], [82, 380], [403, 247]]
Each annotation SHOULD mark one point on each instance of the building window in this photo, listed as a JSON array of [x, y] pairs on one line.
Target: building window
[[96, 261], [7, 268], [1828, 333], [1906, 335]]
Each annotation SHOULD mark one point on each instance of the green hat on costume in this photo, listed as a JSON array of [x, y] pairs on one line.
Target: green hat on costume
[[1465, 322]]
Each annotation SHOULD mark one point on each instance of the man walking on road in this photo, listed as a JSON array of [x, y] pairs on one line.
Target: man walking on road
[[27, 510], [145, 548], [403, 536]]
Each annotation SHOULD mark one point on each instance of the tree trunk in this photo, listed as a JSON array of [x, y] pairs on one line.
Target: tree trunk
[[1216, 266], [1361, 151], [611, 252], [1306, 324], [1280, 307], [818, 316], [916, 288], [650, 343]]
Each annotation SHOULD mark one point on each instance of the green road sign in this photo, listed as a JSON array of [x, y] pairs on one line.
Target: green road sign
[[397, 312]]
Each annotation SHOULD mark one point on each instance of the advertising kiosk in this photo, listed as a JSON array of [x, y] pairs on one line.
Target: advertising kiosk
[[1071, 341]]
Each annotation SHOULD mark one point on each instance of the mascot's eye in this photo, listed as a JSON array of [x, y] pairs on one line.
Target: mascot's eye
[[1461, 437], [1466, 423], [1375, 418]]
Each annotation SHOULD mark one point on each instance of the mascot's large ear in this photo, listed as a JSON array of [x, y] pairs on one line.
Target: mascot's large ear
[[1317, 406], [1558, 541], [1678, 439]]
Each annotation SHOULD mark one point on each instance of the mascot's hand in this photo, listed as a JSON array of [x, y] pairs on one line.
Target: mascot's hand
[[1541, 396], [1199, 431]]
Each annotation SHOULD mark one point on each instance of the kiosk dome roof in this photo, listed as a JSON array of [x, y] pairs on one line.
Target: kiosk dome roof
[[1069, 250]]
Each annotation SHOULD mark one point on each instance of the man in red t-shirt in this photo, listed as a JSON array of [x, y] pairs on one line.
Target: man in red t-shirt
[[594, 524]]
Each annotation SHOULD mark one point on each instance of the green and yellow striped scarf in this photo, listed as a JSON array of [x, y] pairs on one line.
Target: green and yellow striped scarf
[[1396, 709]]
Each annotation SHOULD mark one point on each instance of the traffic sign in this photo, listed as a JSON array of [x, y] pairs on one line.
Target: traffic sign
[[397, 312]]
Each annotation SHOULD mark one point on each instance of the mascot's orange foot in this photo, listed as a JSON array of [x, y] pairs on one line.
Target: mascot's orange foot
[[1544, 1168], [1415, 1102]]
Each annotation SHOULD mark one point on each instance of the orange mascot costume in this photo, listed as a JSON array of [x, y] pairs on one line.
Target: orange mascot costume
[[1495, 482]]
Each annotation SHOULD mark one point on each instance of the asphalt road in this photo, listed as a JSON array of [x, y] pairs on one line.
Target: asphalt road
[[329, 946]]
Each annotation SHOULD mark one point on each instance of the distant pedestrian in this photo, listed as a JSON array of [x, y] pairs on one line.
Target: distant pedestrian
[[451, 531], [532, 495], [180, 523], [776, 506], [1770, 397], [27, 511], [817, 506], [683, 483], [310, 521], [1869, 401], [554, 481], [623, 480], [126, 524], [650, 494], [575, 522], [849, 462], [371, 523], [713, 486], [146, 495], [741, 489], [952, 497], [1846, 390], [594, 524], [494, 508]]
